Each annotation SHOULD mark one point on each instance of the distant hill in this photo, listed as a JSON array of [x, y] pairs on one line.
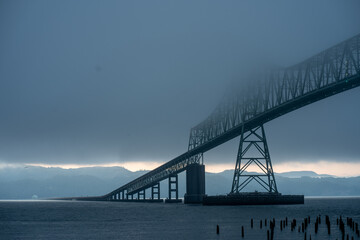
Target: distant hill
[[23, 183], [299, 174], [29, 182]]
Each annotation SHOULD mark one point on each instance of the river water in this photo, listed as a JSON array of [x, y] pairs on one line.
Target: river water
[[118, 220]]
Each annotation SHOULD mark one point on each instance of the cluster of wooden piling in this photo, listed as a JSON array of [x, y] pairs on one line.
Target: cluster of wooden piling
[[354, 226], [283, 223]]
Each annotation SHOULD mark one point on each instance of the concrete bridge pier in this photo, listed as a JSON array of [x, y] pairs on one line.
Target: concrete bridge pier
[[195, 183]]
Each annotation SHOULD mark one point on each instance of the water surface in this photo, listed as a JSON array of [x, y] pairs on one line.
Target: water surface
[[118, 220]]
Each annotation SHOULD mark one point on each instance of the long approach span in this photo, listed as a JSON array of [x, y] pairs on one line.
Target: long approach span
[[276, 93]]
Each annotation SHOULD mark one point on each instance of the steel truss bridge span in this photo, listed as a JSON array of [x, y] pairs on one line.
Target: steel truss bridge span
[[280, 91]]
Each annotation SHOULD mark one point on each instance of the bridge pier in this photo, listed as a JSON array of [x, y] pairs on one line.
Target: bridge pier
[[155, 190], [195, 183], [173, 188], [141, 195]]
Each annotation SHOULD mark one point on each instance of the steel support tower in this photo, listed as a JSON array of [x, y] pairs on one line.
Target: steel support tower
[[253, 151]]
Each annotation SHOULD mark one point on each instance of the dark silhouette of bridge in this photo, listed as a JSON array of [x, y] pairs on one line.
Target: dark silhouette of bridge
[[273, 94]]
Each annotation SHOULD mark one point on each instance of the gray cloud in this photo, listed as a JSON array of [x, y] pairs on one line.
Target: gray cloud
[[88, 81]]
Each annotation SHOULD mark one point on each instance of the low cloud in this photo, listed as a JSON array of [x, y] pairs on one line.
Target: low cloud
[[124, 81]]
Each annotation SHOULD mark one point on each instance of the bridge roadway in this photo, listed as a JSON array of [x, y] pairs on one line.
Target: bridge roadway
[[330, 72]]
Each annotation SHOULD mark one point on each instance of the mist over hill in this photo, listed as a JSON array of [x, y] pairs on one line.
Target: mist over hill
[[39, 182]]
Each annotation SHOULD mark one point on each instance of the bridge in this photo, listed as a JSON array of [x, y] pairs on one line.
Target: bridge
[[271, 95]]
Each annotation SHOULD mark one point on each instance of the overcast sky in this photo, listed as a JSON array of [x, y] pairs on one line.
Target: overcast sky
[[98, 82]]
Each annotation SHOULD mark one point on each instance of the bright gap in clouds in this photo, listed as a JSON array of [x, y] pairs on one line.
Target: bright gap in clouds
[[339, 169]]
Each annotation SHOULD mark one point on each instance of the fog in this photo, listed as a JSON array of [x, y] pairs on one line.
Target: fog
[[95, 82]]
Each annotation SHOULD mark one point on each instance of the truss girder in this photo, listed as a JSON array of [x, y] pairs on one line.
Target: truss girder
[[280, 87], [332, 71]]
